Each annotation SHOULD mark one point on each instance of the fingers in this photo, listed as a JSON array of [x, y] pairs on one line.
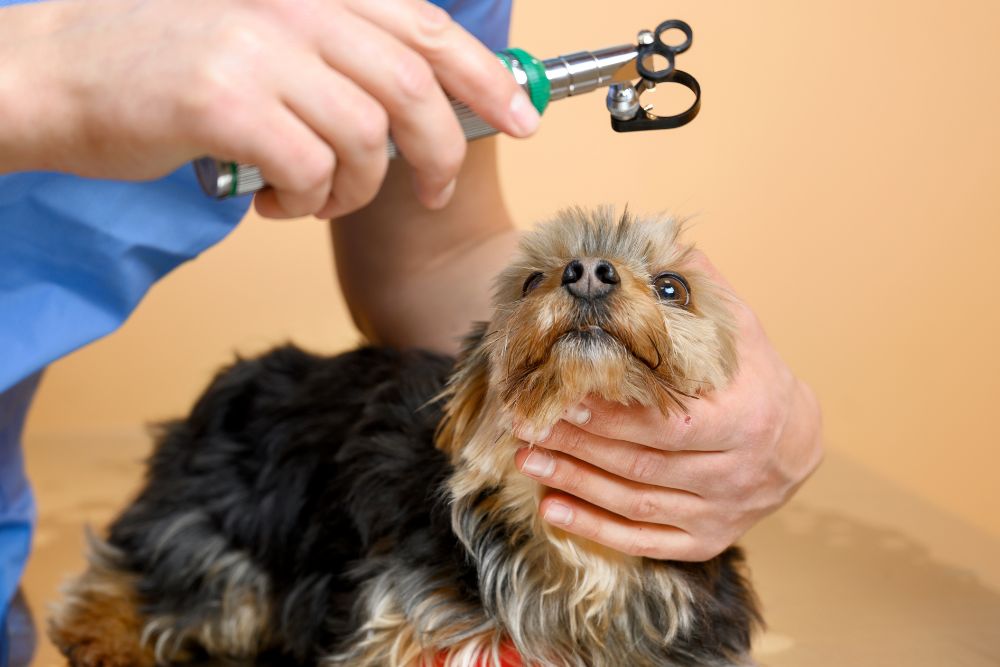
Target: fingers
[[399, 54], [623, 535], [236, 85], [635, 518], [466, 69], [683, 471], [422, 121], [349, 119], [639, 502], [698, 430], [296, 162]]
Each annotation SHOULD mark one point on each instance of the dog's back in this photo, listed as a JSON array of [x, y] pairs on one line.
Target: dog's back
[[247, 536]]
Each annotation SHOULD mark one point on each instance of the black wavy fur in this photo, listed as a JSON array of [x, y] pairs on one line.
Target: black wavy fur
[[323, 471]]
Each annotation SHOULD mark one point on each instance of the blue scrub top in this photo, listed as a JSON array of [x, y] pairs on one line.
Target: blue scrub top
[[76, 257]]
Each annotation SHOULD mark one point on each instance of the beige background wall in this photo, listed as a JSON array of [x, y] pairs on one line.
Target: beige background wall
[[843, 174]]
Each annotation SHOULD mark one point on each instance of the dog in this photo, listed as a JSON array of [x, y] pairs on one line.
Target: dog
[[365, 510]]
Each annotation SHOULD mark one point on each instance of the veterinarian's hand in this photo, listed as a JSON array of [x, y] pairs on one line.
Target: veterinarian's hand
[[306, 89], [683, 487]]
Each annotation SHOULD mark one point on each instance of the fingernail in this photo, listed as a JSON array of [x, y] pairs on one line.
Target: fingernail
[[539, 464], [524, 114], [529, 433], [559, 514], [441, 199], [577, 414]]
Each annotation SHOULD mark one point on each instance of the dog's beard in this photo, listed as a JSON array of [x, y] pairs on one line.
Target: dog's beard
[[546, 349], [555, 350]]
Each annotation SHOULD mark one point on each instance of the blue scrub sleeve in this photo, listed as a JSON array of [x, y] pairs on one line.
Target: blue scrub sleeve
[[488, 20], [17, 504], [76, 257]]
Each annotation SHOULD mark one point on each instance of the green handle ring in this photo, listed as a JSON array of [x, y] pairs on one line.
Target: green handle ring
[[539, 89]]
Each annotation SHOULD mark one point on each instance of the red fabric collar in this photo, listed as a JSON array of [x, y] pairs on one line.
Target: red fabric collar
[[508, 658]]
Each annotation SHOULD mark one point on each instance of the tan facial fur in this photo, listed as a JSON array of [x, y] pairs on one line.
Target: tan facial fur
[[564, 596]]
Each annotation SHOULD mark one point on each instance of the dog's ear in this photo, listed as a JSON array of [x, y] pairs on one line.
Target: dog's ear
[[465, 393]]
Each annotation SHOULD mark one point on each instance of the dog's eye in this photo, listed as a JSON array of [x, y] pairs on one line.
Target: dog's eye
[[533, 281], [672, 288]]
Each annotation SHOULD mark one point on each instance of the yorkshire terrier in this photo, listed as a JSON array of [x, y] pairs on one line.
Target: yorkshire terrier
[[365, 510]]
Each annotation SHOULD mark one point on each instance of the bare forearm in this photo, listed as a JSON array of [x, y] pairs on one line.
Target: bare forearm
[[133, 89], [418, 278], [30, 103]]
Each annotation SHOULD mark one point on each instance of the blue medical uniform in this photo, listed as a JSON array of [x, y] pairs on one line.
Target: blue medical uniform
[[76, 257]]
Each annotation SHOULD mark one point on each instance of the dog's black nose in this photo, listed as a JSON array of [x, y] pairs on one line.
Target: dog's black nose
[[590, 278]]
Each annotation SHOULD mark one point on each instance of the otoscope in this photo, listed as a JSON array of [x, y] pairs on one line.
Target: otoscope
[[544, 81]]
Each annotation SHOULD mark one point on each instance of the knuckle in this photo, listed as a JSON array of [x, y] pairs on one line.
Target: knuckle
[[743, 483], [762, 425], [568, 479], [242, 41], [415, 79], [372, 128], [595, 531], [572, 441], [315, 168], [644, 466], [215, 90], [208, 95], [431, 27], [643, 507], [642, 544]]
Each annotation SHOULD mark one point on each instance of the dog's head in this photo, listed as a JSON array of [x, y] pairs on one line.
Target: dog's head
[[594, 304]]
